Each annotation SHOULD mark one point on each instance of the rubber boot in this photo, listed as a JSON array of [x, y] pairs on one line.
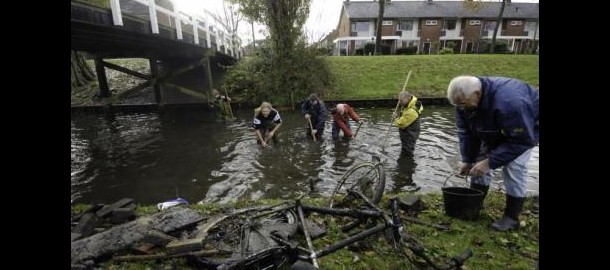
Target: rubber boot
[[510, 220]]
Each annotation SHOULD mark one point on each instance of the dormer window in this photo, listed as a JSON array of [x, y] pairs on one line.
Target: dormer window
[[513, 23]]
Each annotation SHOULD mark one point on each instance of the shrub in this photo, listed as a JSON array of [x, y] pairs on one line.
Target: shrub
[[369, 48], [446, 50], [407, 50], [386, 49]]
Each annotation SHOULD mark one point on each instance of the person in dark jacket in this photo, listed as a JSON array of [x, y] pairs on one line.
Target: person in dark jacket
[[341, 115], [313, 110], [266, 122], [221, 105], [497, 122]]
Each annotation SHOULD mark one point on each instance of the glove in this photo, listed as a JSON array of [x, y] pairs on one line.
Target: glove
[[394, 115], [314, 131], [361, 122]]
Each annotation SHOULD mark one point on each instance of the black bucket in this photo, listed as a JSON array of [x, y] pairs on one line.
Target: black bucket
[[462, 202]]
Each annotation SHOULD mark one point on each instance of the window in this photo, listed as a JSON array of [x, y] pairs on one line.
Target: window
[[490, 25], [359, 44], [405, 25], [431, 22], [513, 23], [360, 26], [387, 23], [475, 22], [449, 24]]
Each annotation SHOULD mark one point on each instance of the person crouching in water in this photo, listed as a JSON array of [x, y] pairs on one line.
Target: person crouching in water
[[313, 110], [267, 121], [341, 114]]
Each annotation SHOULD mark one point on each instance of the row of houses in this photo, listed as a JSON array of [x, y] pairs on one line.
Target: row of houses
[[429, 26]]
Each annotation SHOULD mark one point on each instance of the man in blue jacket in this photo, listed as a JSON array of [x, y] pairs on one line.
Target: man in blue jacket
[[497, 122], [313, 110]]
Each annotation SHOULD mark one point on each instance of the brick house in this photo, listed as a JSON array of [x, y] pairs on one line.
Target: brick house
[[428, 26]]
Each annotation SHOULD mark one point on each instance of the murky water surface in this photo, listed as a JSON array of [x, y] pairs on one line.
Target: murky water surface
[[152, 157]]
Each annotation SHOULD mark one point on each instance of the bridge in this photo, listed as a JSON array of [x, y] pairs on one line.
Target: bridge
[[186, 52]]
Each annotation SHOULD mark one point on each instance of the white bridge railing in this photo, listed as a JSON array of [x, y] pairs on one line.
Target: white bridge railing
[[212, 27]]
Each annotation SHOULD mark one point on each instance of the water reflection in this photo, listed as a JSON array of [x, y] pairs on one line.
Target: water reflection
[[155, 156]]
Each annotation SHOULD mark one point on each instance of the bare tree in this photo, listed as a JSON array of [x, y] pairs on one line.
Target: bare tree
[[498, 21], [379, 24], [476, 5], [231, 19]]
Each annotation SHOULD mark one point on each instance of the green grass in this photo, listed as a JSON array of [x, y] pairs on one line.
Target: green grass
[[492, 250], [376, 77]]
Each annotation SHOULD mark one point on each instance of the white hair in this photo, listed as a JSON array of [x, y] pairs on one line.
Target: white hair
[[462, 87], [340, 108]]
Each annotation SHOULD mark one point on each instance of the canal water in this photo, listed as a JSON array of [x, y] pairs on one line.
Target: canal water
[[155, 156]]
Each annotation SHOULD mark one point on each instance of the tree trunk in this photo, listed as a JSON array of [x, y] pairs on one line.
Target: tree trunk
[[379, 24], [498, 21], [122, 237], [80, 72]]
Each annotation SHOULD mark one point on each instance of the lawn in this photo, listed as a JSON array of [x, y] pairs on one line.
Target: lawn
[[377, 77]]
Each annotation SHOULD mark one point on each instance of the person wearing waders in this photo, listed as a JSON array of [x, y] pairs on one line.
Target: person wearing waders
[[341, 115], [497, 124], [408, 122], [313, 110], [266, 122]]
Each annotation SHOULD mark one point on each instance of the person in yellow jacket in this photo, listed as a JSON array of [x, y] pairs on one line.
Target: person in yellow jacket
[[407, 121]]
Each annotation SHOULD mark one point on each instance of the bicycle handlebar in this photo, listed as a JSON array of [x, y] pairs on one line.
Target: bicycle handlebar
[[459, 260], [456, 262]]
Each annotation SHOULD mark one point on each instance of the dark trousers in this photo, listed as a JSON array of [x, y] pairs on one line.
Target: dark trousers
[[408, 137]]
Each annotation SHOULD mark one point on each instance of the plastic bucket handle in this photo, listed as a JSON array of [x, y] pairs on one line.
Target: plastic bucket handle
[[445, 182]]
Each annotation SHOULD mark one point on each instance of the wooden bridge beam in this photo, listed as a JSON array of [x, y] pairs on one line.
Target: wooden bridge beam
[[101, 77], [154, 73]]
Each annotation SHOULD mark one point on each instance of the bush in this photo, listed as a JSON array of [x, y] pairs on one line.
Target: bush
[[407, 50], [386, 49], [265, 77], [369, 48], [499, 48], [446, 50]]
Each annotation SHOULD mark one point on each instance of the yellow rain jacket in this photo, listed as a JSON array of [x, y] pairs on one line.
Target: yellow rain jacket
[[409, 114]]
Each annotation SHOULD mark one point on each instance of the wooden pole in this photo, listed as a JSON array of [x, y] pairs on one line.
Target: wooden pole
[[229, 104], [358, 129], [404, 87], [311, 127]]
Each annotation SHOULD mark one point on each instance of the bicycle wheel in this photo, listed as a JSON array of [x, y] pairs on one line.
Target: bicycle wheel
[[368, 178], [241, 234]]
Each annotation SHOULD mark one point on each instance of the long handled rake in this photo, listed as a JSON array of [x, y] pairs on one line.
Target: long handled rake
[[404, 87], [311, 128]]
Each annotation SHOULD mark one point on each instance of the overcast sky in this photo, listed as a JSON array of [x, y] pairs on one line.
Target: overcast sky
[[323, 16]]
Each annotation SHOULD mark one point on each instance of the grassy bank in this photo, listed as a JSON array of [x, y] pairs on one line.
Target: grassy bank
[[492, 250], [374, 77]]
